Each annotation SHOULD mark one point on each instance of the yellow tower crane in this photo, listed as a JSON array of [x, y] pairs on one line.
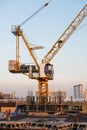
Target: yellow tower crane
[[44, 71]]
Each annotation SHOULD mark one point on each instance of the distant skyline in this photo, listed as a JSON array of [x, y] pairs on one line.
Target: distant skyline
[[70, 64]]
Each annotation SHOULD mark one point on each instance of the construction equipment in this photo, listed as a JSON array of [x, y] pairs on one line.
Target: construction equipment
[[44, 71]]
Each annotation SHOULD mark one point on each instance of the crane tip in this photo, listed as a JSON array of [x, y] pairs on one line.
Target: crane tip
[[47, 2]]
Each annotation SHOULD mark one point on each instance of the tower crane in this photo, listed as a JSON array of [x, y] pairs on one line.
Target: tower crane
[[44, 71]]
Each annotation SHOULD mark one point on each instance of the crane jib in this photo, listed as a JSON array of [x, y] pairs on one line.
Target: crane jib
[[66, 35], [35, 13]]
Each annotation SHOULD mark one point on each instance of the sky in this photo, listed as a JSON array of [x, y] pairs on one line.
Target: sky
[[70, 63]]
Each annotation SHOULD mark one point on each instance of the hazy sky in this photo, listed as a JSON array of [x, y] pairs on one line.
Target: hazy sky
[[70, 64]]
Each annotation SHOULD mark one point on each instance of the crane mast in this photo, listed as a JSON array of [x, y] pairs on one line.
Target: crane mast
[[43, 72]]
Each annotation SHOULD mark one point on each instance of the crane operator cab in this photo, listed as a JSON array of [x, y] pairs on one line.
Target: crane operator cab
[[46, 71]]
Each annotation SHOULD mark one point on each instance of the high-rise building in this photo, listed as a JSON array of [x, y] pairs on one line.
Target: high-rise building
[[78, 91]]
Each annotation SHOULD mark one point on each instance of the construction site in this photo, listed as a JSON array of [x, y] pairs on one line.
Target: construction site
[[42, 112]]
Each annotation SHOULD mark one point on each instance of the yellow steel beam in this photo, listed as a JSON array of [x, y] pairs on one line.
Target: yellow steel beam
[[66, 35]]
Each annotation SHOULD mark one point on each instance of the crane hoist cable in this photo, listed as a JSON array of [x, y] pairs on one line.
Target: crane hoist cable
[[42, 7]]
